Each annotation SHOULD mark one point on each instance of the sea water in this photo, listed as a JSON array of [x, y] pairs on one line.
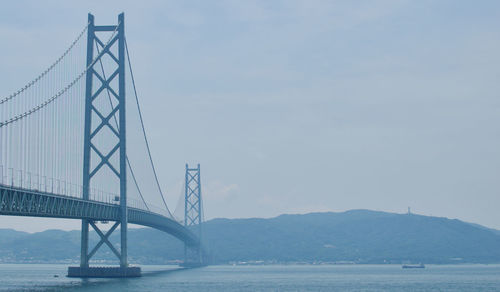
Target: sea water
[[28, 277]]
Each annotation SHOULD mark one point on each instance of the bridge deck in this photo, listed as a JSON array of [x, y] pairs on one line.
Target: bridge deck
[[23, 202]]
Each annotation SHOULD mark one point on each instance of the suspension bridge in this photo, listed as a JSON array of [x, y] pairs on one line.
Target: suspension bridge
[[64, 153]]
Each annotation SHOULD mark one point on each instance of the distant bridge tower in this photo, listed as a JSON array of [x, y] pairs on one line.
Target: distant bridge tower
[[193, 213], [105, 121]]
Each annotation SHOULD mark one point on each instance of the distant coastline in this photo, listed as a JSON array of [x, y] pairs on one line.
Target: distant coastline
[[351, 237]]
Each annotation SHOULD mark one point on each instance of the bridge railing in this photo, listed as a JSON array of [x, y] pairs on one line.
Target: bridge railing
[[39, 183]]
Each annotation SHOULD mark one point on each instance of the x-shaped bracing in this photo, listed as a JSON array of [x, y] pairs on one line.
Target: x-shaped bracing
[[105, 120], [106, 48], [192, 205], [104, 239]]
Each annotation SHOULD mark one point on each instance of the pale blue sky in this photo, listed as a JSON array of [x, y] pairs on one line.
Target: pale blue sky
[[300, 106]]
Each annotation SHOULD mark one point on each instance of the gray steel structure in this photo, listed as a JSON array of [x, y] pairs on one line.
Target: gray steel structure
[[16, 201], [193, 212], [92, 149]]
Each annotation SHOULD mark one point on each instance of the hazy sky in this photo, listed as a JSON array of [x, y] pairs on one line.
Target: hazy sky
[[299, 106]]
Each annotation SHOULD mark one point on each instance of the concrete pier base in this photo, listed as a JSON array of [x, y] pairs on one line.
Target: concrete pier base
[[104, 272]]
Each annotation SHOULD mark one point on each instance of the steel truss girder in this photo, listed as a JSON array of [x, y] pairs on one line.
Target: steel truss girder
[[22, 202]]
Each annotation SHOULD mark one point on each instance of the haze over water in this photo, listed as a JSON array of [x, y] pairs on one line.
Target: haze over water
[[292, 107]]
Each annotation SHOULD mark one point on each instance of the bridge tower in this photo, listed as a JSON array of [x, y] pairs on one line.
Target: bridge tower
[[97, 157], [193, 214]]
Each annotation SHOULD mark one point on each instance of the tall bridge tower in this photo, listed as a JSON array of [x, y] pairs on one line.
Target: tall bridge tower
[[193, 214], [98, 157]]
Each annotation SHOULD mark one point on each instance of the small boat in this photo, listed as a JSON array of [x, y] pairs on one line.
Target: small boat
[[411, 266]]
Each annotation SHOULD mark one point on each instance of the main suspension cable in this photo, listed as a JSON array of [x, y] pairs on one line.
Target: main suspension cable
[[144, 131], [118, 128], [61, 92], [3, 100]]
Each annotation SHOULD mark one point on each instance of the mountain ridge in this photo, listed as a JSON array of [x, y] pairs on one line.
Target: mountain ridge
[[359, 236]]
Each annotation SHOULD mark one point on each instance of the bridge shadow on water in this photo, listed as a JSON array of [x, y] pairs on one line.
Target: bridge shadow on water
[[162, 272], [106, 284]]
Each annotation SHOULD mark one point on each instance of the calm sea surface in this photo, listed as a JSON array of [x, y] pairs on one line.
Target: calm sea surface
[[262, 278]]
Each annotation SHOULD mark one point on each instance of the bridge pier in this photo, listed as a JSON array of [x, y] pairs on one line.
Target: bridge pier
[[104, 272], [85, 271]]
